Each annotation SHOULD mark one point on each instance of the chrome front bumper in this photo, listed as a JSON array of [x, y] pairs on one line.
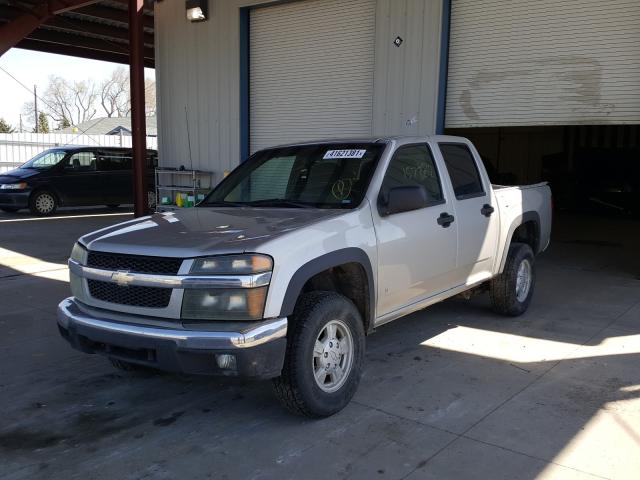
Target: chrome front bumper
[[259, 346]]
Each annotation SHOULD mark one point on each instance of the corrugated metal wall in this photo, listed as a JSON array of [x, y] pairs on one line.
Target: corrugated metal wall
[[518, 62], [311, 71], [406, 77], [198, 78]]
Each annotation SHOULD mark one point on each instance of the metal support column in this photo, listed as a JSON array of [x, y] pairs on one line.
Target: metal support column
[[138, 121]]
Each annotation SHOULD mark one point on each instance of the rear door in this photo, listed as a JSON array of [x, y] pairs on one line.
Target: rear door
[[477, 220], [416, 254], [115, 166]]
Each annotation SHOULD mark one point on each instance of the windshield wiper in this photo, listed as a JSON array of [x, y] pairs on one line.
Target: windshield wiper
[[275, 202]]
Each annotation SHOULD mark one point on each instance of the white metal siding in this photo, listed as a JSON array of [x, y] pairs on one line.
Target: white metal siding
[[311, 71], [518, 62]]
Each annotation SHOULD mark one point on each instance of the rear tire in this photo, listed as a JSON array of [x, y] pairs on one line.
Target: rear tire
[[324, 358], [511, 291], [9, 209], [43, 203]]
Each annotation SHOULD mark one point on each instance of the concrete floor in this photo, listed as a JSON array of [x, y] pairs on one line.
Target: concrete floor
[[450, 392]]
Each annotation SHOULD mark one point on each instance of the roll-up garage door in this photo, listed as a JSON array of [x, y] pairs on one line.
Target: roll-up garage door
[[546, 62], [311, 71]]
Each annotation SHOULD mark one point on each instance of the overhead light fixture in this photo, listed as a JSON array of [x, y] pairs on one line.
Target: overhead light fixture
[[197, 10]]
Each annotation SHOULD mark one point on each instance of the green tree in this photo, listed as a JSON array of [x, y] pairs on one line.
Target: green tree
[[43, 123], [64, 123], [5, 127]]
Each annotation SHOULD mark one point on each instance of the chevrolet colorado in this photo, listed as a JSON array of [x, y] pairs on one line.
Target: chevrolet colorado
[[294, 258]]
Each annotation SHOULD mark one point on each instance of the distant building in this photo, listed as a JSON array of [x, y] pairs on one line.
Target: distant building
[[110, 126]]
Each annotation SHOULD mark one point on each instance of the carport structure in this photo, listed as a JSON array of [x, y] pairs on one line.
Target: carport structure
[[119, 31]]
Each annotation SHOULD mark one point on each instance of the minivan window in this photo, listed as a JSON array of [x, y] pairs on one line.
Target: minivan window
[[462, 169], [45, 160], [114, 160], [81, 162]]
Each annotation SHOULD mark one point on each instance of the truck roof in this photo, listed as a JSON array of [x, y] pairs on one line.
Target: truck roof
[[380, 139]]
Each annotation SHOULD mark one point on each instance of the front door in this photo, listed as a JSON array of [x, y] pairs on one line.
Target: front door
[[416, 251], [78, 182]]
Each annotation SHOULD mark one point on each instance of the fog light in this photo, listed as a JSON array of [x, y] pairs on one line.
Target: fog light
[[226, 361]]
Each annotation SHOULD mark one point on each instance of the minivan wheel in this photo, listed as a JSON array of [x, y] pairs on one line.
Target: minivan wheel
[[324, 358], [511, 291], [43, 203]]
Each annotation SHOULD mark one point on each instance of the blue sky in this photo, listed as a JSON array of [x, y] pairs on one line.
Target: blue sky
[[34, 68]]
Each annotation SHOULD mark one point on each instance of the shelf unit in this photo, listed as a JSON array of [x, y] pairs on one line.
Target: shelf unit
[[170, 182]]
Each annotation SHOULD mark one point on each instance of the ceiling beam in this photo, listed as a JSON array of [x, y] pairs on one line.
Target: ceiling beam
[[21, 26], [88, 43], [74, 51], [88, 27], [113, 14]]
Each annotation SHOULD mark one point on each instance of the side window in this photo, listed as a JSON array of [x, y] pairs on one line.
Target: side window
[[81, 162], [115, 160], [462, 169], [410, 166]]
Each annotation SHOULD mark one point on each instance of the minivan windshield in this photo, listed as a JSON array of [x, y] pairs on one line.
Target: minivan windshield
[[322, 176], [46, 159]]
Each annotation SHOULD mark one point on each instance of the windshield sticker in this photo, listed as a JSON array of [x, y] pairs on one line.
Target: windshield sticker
[[344, 154], [341, 188]]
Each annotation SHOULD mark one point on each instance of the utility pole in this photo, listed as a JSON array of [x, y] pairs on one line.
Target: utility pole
[[35, 106], [20, 123]]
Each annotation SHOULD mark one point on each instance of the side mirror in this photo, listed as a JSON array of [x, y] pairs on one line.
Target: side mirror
[[405, 199]]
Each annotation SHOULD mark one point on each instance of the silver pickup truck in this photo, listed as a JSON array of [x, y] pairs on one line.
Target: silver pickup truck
[[300, 253]]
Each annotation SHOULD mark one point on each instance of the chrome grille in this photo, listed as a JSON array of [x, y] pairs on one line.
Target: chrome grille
[[134, 263], [149, 297]]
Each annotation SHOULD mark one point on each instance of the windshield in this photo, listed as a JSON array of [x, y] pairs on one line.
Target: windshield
[[322, 176], [46, 159]]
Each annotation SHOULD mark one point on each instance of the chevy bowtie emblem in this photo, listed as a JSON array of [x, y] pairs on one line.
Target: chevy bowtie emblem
[[122, 277]]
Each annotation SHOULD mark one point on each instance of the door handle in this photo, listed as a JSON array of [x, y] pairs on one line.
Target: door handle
[[487, 210], [445, 219]]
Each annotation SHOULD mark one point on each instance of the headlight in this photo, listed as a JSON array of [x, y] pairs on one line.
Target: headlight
[[13, 186], [232, 265], [224, 304], [79, 254]]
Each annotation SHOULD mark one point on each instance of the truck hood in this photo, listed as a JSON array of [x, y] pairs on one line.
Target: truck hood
[[202, 231]]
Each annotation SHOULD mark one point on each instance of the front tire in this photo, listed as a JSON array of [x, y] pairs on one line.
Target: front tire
[[324, 358], [511, 291], [43, 203]]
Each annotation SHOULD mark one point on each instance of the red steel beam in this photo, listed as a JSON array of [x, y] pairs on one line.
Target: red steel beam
[[17, 29], [138, 121]]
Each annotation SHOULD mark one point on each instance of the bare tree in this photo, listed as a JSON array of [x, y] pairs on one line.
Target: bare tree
[[69, 102], [114, 93], [66, 102], [149, 97]]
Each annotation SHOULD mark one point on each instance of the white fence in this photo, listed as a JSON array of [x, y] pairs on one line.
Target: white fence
[[17, 148]]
